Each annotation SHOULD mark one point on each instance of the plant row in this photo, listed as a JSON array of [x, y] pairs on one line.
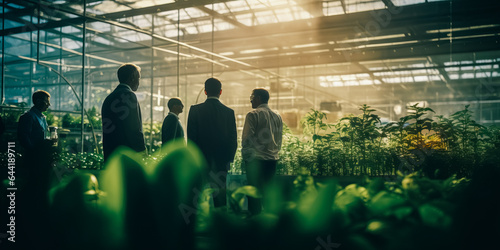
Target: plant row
[[433, 145]]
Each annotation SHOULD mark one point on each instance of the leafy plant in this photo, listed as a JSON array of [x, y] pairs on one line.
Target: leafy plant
[[421, 123], [362, 133]]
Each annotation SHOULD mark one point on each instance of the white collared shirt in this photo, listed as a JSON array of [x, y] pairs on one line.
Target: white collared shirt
[[262, 134]]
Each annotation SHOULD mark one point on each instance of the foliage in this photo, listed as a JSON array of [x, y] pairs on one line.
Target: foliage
[[153, 134], [79, 160], [437, 147], [361, 135], [68, 121], [159, 203], [371, 214], [11, 117]]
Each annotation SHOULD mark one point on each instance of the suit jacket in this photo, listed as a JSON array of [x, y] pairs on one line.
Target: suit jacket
[[29, 130], [121, 121], [212, 126], [171, 129]]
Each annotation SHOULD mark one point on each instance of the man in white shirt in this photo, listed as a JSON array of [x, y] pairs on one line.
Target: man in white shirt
[[261, 143]]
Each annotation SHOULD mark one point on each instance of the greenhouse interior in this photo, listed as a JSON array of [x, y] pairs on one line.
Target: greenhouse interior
[[388, 133]]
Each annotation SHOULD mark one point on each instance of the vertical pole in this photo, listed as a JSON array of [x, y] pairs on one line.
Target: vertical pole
[[152, 81], [83, 72], [32, 64], [212, 50], [278, 83], [59, 103], [2, 100], [38, 36], [178, 46]]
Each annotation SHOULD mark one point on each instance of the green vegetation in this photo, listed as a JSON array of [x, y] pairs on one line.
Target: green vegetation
[[162, 200], [436, 147]]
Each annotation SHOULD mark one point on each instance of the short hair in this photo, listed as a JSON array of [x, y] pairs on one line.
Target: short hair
[[126, 72], [262, 93], [213, 86], [39, 95], [174, 101]]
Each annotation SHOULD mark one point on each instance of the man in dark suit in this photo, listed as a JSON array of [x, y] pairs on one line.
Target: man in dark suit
[[33, 134], [32, 127], [35, 170], [212, 126], [121, 114], [172, 128]]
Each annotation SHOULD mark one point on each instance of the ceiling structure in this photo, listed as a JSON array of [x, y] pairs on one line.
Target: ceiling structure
[[385, 53]]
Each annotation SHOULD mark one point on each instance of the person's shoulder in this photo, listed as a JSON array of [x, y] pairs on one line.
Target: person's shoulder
[[253, 112], [276, 113], [25, 115], [224, 106], [196, 106], [170, 117]]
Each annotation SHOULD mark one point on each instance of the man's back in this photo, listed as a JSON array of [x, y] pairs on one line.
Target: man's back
[[262, 134], [171, 129], [212, 126], [121, 121]]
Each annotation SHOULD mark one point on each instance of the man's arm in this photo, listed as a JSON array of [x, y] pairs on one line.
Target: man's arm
[[133, 122], [280, 133], [233, 136], [192, 125], [169, 129], [247, 137]]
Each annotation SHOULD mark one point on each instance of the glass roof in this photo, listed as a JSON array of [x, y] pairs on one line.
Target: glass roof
[[322, 46]]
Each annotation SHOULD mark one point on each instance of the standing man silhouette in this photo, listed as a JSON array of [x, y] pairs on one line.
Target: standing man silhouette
[[36, 171], [121, 114], [32, 127], [172, 128], [260, 144], [212, 126]]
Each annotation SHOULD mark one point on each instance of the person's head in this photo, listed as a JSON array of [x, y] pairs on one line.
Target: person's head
[[175, 105], [259, 96], [213, 87], [129, 74], [41, 100]]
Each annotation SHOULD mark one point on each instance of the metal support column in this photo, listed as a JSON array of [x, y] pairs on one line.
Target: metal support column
[[152, 81], [2, 99], [178, 45], [84, 31]]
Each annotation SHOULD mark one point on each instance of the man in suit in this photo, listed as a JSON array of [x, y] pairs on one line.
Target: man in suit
[[36, 168], [32, 127], [121, 114], [172, 128], [212, 126]]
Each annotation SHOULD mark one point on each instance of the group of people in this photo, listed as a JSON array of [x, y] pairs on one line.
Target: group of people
[[211, 126]]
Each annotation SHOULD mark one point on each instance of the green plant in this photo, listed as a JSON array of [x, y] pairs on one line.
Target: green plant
[[363, 136], [68, 121], [421, 123]]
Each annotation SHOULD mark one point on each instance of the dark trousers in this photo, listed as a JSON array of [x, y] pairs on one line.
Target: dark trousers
[[216, 178], [259, 174]]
